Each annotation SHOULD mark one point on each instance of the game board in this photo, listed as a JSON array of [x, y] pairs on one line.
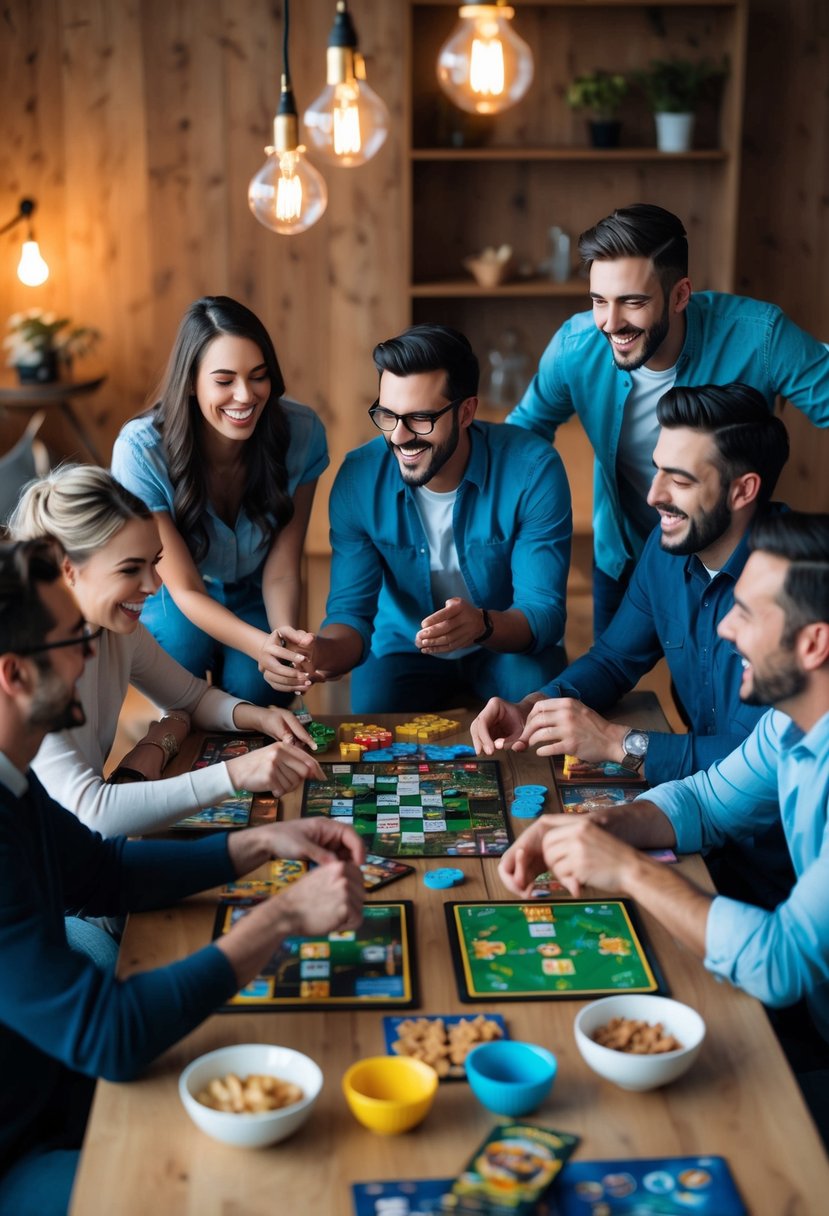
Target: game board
[[543, 951], [664, 1186], [372, 966], [236, 811], [417, 808]]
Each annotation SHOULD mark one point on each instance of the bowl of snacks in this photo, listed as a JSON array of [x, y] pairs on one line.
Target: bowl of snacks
[[442, 1040], [637, 1041], [510, 1078], [250, 1094], [390, 1094]]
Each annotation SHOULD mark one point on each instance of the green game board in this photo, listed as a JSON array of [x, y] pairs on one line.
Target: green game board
[[416, 808], [544, 950]]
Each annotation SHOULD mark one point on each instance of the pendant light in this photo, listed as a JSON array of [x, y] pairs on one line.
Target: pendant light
[[31, 269], [484, 67], [348, 123], [288, 194]]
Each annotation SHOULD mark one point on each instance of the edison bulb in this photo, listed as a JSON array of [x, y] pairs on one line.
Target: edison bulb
[[32, 270], [348, 123], [484, 67], [288, 194]]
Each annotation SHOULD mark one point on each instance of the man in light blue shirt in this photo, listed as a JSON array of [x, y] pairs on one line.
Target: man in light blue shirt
[[450, 540], [780, 626], [647, 332]]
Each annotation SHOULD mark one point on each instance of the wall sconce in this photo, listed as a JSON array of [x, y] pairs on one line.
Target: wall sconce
[[348, 123], [484, 67], [288, 194], [31, 269]]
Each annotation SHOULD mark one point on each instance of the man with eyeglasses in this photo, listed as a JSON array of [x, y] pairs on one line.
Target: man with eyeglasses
[[64, 1020], [451, 544]]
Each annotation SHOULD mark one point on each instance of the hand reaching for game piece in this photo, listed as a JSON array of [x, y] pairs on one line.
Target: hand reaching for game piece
[[278, 768], [453, 627]]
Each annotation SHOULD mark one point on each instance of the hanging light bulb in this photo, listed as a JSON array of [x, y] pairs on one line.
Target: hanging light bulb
[[348, 122], [31, 269], [288, 194], [484, 67]]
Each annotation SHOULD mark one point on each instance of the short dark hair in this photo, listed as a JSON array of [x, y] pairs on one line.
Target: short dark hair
[[432, 348], [640, 231], [24, 618], [747, 435], [803, 540]]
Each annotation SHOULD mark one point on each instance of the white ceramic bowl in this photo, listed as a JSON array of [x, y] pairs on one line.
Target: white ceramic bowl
[[645, 1071], [246, 1059]]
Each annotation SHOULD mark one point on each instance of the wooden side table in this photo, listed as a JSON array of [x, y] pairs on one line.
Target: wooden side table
[[56, 394]]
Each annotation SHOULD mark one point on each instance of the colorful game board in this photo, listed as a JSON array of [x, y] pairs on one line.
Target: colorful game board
[[667, 1186], [543, 951], [417, 808], [236, 811], [578, 799], [372, 966]]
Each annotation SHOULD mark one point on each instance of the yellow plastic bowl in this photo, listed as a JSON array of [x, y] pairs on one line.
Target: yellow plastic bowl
[[390, 1094]]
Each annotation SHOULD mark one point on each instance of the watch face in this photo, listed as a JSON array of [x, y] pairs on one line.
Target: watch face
[[636, 743]]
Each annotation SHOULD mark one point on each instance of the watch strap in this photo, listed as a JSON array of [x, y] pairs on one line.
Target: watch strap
[[489, 628]]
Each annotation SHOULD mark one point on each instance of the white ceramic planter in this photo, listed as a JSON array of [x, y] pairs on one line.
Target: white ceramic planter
[[674, 132]]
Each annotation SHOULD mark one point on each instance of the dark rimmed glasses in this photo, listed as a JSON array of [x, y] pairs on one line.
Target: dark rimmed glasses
[[87, 637], [418, 424]]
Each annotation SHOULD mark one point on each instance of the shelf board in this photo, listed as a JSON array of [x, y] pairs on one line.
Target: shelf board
[[591, 155], [468, 288]]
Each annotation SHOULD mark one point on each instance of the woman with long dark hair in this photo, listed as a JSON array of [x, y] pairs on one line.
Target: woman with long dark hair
[[229, 467]]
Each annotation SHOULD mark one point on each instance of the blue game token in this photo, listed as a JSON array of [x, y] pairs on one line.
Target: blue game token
[[438, 880], [533, 799], [525, 810], [462, 749], [531, 789], [457, 876]]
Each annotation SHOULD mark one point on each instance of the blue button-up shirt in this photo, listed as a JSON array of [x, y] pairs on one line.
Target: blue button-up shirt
[[778, 772], [672, 608], [512, 528], [727, 338]]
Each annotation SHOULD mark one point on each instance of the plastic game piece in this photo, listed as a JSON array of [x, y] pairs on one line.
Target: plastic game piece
[[322, 735], [524, 809], [531, 789], [458, 876], [438, 880], [351, 751]]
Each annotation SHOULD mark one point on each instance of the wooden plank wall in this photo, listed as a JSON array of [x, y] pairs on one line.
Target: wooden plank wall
[[137, 124]]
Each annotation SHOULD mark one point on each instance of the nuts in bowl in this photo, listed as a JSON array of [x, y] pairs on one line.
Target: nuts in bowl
[[250, 1094], [639, 1042]]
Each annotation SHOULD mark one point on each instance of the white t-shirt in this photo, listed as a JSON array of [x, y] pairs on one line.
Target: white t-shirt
[[436, 514], [637, 439]]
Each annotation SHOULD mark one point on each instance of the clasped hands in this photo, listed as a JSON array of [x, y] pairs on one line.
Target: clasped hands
[[556, 727], [577, 849], [453, 627]]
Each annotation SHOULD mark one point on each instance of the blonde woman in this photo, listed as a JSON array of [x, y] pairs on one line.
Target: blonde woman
[[111, 548]]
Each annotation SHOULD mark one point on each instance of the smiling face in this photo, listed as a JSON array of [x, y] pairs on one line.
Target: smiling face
[[54, 703], [112, 585], [232, 386], [756, 625], [642, 325], [438, 459], [688, 493]]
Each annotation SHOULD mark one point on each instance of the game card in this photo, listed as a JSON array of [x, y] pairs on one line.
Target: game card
[[512, 1169], [546, 951], [235, 811], [579, 799], [669, 1186], [575, 769], [379, 871], [422, 1197]]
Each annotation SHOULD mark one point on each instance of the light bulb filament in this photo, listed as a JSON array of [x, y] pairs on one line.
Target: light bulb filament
[[347, 140], [288, 203], [486, 67]]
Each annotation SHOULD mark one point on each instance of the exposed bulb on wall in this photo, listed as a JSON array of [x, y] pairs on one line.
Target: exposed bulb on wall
[[31, 269], [348, 123], [484, 67]]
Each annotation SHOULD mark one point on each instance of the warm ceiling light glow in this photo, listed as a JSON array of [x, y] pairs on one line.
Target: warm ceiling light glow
[[32, 270], [484, 67]]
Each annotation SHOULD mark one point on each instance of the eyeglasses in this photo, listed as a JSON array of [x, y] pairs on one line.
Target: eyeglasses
[[88, 636], [418, 424]]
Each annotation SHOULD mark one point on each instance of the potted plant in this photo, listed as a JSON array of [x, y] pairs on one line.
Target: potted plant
[[39, 343], [602, 93], [673, 88]]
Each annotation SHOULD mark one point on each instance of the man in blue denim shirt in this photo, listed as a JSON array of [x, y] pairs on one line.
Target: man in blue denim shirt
[[451, 544], [647, 332], [717, 461], [780, 626]]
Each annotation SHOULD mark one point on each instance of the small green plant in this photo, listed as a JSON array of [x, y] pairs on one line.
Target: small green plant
[[674, 86], [35, 335], [600, 92]]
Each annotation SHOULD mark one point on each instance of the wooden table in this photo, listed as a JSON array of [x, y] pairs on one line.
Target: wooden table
[[55, 394], [142, 1154]]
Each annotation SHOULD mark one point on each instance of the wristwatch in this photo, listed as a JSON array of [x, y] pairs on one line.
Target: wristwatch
[[489, 628], [635, 747]]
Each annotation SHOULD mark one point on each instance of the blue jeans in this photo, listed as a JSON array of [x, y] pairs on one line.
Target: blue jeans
[[400, 683], [199, 653]]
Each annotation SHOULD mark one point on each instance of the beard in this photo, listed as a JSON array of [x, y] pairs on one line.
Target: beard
[[704, 528], [654, 337], [436, 457], [54, 707], [780, 682]]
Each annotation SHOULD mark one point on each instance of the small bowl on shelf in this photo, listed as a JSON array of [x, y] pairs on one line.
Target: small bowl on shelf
[[491, 267], [250, 1129], [631, 1070], [509, 1077], [390, 1094]]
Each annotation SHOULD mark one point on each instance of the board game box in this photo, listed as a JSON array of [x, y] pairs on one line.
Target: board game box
[[417, 808], [372, 966], [236, 811], [667, 1186], [547, 950]]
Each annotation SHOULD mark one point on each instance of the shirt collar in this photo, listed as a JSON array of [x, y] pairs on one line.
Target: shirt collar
[[815, 740], [11, 777]]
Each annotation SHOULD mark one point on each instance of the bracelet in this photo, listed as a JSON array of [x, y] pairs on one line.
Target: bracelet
[[489, 628], [167, 743], [177, 718]]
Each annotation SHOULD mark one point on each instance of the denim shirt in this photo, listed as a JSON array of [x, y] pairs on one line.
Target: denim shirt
[[778, 773], [672, 608], [512, 528], [234, 554], [727, 338]]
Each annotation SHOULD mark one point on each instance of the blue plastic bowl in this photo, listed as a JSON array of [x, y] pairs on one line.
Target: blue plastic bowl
[[510, 1078]]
